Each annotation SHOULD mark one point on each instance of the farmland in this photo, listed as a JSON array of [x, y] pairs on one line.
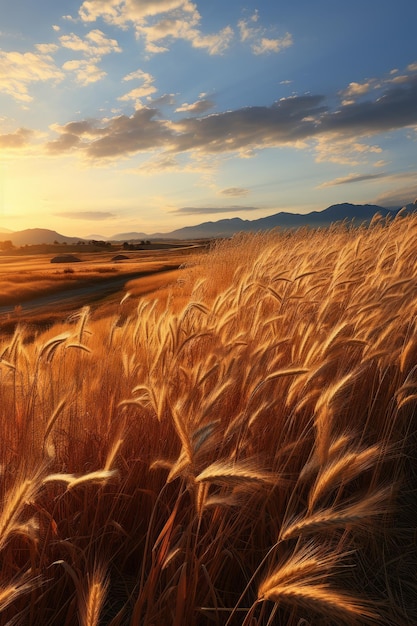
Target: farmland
[[227, 439]]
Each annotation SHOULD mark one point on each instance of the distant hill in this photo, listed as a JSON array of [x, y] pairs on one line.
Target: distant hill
[[352, 213], [5, 230], [130, 236], [34, 236]]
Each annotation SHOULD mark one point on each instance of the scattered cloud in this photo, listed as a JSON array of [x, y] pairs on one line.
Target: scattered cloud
[[119, 136], [333, 148], [266, 45], [94, 44], [199, 107], [398, 197], [87, 215], [355, 90], [158, 22], [46, 48], [235, 191], [20, 138], [167, 99], [146, 89], [19, 70], [256, 35], [86, 71], [339, 136], [352, 178]]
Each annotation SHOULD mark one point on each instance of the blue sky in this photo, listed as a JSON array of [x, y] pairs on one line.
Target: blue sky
[[149, 115]]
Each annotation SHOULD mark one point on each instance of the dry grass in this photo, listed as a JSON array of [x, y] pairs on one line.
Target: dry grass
[[236, 449]]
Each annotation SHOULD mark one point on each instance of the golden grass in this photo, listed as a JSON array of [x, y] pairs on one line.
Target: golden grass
[[237, 448]]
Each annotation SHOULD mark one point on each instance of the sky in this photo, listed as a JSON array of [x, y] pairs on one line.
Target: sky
[[151, 115]]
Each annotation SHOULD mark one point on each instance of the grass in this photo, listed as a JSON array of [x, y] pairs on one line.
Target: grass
[[237, 448]]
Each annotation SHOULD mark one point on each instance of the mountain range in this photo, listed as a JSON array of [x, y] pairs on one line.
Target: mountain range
[[352, 213]]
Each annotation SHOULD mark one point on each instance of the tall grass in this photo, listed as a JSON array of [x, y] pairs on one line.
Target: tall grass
[[240, 452]]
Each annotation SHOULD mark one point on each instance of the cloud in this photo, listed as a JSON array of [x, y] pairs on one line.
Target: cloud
[[340, 135], [167, 99], [20, 138], [146, 89], [86, 215], [119, 136], [121, 11], [256, 35], [166, 30], [266, 45], [208, 210], [286, 121], [93, 47], [395, 108], [235, 191], [199, 107], [398, 197], [158, 22], [352, 178], [46, 48], [335, 148], [19, 70], [86, 71], [95, 43]]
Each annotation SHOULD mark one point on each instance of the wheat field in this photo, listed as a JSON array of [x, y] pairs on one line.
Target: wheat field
[[240, 450]]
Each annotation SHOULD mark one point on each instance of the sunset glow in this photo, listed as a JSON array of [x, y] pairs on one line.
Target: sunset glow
[[124, 115]]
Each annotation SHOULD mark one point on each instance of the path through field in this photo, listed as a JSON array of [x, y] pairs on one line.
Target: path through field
[[80, 295]]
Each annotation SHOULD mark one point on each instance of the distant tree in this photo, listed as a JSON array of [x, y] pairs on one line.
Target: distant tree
[[56, 242], [6, 245]]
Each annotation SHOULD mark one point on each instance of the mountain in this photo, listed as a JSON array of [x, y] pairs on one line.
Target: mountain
[[356, 213], [351, 213], [33, 236], [5, 230]]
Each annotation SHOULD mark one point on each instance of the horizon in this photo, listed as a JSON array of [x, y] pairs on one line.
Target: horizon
[[122, 116], [114, 235]]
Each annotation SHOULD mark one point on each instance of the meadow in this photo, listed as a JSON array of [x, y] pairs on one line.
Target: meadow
[[236, 447]]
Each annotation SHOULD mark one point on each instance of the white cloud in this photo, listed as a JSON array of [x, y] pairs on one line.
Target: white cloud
[[201, 106], [46, 48], [332, 148], [184, 28], [158, 22], [145, 90], [260, 43], [266, 45], [86, 70], [120, 12], [19, 70], [94, 44]]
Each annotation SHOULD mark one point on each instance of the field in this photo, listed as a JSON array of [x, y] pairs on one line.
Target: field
[[232, 443]]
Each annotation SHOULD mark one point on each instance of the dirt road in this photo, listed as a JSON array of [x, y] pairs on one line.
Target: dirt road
[[79, 295]]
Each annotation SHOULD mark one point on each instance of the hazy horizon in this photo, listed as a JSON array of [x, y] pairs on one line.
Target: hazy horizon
[[125, 115]]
